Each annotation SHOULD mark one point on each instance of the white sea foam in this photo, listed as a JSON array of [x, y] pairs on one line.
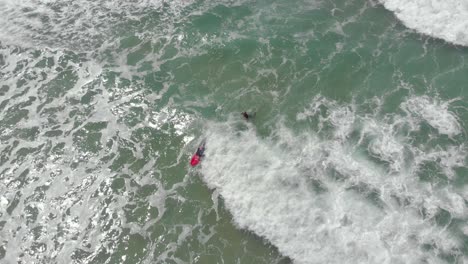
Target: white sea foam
[[445, 19], [270, 194], [320, 201], [384, 143], [435, 112], [448, 159]]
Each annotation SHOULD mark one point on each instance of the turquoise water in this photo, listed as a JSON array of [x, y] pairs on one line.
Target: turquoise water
[[357, 153]]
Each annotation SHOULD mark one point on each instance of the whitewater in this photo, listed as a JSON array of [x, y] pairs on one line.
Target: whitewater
[[447, 20], [358, 152], [322, 200]]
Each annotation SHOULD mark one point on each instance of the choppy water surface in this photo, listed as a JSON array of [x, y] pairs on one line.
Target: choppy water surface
[[358, 152]]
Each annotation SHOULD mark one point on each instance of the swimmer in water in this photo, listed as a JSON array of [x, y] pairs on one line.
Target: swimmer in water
[[248, 116]]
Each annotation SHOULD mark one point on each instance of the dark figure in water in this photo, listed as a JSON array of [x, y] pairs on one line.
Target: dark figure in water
[[245, 115], [200, 151]]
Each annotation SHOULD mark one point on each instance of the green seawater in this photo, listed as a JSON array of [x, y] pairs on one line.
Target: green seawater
[[102, 105]]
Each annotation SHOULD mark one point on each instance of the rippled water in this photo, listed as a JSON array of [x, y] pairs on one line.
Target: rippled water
[[357, 153]]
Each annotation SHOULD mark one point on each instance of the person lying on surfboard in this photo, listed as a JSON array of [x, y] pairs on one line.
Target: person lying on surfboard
[[196, 158]]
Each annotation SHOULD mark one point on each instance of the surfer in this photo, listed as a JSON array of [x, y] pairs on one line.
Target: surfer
[[196, 158], [248, 116]]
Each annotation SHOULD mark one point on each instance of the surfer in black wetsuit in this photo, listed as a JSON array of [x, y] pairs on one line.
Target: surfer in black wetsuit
[[200, 151], [248, 116]]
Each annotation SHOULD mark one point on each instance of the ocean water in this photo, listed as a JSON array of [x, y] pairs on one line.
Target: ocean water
[[357, 154]]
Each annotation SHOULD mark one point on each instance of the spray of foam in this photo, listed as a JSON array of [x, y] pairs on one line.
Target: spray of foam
[[445, 19], [320, 201]]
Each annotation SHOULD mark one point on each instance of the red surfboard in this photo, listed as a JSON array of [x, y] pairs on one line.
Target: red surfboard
[[196, 158]]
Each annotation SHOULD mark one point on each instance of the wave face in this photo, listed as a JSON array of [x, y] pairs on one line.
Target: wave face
[[447, 20]]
